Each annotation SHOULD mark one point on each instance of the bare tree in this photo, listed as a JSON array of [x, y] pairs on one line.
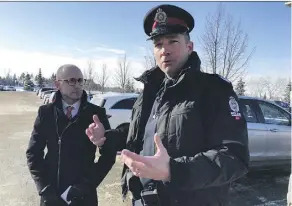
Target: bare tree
[[287, 93], [274, 88], [7, 73], [89, 75], [267, 87], [102, 77], [122, 75], [150, 61], [225, 45], [256, 88]]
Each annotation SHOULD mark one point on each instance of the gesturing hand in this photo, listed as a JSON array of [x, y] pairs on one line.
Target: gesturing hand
[[152, 167], [95, 132]]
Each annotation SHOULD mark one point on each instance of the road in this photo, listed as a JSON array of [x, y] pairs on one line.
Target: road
[[17, 114]]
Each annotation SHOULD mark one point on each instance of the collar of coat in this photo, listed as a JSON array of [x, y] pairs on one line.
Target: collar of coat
[[156, 76], [58, 100]]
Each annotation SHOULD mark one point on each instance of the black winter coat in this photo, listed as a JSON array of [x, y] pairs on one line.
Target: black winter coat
[[203, 131], [73, 161]]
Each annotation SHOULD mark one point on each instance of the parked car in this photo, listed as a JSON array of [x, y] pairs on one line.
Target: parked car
[[269, 126], [46, 92], [36, 88], [1, 87], [289, 193], [39, 92], [89, 96], [269, 131], [118, 106], [9, 88], [51, 98], [47, 97]]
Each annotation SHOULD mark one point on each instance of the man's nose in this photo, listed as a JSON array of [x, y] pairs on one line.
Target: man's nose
[[165, 51], [77, 85]]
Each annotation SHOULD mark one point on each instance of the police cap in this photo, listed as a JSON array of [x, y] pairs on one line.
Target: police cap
[[167, 19]]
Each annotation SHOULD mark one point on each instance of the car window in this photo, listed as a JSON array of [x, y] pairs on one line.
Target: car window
[[273, 114], [125, 104], [247, 111], [46, 89], [282, 104]]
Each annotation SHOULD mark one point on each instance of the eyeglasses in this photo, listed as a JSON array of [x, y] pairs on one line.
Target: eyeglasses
[[72, 81]]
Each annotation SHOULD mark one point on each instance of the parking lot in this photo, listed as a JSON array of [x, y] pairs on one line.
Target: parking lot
[[17, 113]]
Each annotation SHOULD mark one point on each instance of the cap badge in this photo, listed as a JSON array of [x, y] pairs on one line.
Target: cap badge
[[160, 17]]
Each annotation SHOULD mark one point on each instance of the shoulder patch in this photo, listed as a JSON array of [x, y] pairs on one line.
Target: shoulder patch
[[233, 104], [234, 107]]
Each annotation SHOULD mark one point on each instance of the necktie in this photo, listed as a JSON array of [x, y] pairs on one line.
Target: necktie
[[69, 112]]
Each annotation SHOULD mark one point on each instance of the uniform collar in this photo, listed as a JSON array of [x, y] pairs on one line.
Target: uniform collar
[[155, 75]]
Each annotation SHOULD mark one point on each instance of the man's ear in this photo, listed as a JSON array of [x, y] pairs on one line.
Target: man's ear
[[57, 84]]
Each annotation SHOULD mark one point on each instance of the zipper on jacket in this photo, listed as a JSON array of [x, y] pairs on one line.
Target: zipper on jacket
[[60, 146], [59, 160]]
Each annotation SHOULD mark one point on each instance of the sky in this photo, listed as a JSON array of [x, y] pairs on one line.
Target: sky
[[46, 35]]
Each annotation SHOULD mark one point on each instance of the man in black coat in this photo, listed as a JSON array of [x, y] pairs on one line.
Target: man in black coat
[[187, 139], [69, 163]]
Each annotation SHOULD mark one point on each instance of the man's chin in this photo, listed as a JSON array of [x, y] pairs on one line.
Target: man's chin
[[75, 97], [170, 71]]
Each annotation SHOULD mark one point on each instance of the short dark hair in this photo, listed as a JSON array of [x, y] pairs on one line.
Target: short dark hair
[[187, 36]]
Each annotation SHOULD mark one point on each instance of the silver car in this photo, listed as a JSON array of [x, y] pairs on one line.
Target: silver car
[[9, 88], [269, 132], [289, 194]]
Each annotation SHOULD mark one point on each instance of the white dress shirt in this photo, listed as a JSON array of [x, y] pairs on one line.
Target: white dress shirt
[[75, 106]]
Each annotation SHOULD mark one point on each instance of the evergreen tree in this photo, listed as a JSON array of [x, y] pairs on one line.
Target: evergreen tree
[[22, 78], [287, 92], [53, 77], [28, 84], [129, 87], [240, 87], [14, 79], [40, 79]]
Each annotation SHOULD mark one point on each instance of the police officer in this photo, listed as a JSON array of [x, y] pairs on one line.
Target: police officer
[[187, 139], [67, 173]]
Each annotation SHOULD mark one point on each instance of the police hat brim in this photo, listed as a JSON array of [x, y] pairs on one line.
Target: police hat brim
[[161, 31]]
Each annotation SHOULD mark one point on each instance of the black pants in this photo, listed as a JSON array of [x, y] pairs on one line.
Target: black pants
[[62, 203]]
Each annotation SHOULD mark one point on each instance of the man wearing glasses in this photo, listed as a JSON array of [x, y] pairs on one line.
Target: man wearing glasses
[[67, 174]]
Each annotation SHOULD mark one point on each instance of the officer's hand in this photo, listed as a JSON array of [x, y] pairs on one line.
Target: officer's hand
[[50, 197], [78, 192], [153, 167], [95, 132]]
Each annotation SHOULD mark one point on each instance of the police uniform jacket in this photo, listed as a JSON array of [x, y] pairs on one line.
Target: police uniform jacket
[[70, 154], [203, 130]]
